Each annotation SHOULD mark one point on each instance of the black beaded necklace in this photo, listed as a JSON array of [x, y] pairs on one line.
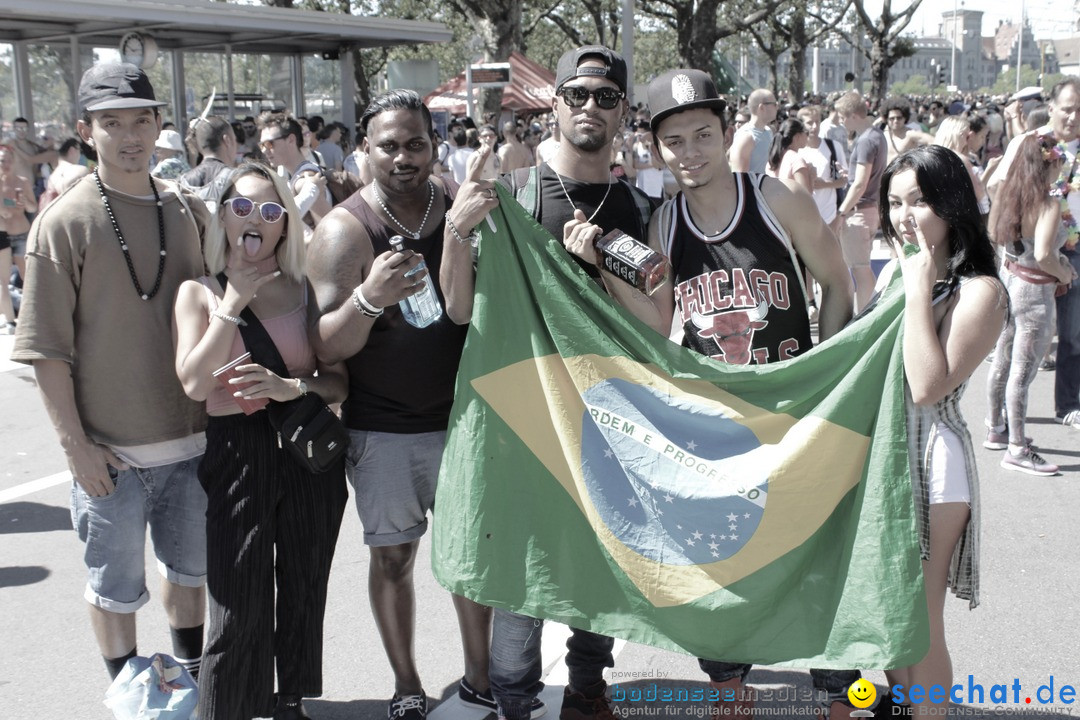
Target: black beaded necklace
[[123, 243]]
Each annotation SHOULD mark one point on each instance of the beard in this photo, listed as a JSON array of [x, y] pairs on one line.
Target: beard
[[588, 140]]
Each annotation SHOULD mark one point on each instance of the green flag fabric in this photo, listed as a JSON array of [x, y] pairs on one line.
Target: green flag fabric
[[599, 475]]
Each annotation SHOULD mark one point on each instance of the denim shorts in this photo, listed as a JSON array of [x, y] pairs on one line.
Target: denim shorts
[[394, 477], [113, 529], [857, 235], [18, 243]]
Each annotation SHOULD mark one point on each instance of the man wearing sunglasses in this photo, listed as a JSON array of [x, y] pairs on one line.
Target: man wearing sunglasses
[[750, 146], [282, 141], [576, 198]]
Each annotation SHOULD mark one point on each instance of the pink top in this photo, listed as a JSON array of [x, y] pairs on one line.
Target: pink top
[[289, 333], [790, 164]]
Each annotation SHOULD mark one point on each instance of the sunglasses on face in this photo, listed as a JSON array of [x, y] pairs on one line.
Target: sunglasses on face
[[241, 207], [269, 142], [575, 97]]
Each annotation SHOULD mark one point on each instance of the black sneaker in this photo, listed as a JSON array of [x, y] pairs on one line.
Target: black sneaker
[[471, 697], [290, 708], [590, 703], [407, 707]]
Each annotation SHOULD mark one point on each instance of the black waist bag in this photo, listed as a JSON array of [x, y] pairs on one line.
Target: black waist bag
[[306, 427], [310, 431]]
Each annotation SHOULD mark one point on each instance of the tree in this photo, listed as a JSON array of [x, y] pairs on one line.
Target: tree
[[772, 46], [800, 27], [698, 27], [886, 45]]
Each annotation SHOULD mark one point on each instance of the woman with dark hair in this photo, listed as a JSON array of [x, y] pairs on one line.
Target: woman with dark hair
[[1026, 220], [271, 525], [785, 162], [955, 309]]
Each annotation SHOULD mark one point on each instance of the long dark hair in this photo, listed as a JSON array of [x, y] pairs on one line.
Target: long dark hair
[[782, 141], [1025, 188], [946, 187]]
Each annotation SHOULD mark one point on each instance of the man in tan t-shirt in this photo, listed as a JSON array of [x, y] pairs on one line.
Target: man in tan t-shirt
[[104, 262]]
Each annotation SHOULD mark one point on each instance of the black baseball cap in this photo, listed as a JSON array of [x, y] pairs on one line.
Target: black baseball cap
[[682, 89], [116, 86], [614, 66]]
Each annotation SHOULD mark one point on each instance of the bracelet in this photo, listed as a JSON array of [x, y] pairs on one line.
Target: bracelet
[[470, 239], [361, 303], [228, 318]]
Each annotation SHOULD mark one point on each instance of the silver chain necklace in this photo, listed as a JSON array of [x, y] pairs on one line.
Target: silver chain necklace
[[410, 233], [597, 210]]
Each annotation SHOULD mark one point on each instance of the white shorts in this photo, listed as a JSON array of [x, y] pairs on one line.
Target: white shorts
[[947, 467]]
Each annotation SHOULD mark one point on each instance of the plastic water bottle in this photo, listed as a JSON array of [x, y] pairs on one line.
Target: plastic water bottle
[[422, 308]]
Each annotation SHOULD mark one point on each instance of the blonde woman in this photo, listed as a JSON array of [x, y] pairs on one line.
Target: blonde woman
[[271, 525], [955, 133]]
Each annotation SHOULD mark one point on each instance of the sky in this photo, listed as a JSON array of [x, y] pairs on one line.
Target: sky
[[1048, 18]]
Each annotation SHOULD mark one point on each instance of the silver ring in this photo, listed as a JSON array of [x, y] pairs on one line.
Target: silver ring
[[491, 194]]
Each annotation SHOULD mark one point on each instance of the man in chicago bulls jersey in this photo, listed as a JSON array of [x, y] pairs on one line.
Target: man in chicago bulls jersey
[[735, 241]]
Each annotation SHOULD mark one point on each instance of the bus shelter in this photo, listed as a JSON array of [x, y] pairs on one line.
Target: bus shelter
[[172, 29]]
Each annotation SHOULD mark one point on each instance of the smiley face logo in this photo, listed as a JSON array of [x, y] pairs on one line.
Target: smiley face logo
[[862, 693]]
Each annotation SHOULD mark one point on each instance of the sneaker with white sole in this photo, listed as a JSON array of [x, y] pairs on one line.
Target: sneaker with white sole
[[1000, 440], [471, 697], [1028, 461], [1071, 419]]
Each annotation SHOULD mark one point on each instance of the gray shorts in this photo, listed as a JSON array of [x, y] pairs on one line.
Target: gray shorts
[[394, 476], [18, 244]]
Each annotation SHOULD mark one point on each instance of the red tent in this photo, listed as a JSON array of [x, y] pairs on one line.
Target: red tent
[[531, 88]]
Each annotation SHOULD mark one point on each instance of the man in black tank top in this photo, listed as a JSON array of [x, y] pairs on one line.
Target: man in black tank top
[[401, 378], [579, 200], [736, 289]]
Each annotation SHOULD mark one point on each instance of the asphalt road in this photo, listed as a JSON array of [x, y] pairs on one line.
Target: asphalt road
[[1025, 631]]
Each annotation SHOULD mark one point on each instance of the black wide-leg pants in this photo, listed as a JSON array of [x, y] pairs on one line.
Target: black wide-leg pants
[[269, 524]]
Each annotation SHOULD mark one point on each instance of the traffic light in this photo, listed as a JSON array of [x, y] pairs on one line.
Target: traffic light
[[941, 76]]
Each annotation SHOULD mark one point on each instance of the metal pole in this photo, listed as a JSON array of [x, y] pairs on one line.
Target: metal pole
[[229, 89], [955, 26], [24, 100], [1020, 44], [628, 47], [179, 88], [348, 85], [1020, 47], [468, 90], [76, 74]]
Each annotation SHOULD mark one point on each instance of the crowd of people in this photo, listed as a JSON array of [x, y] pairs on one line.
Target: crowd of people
[[157, 260]]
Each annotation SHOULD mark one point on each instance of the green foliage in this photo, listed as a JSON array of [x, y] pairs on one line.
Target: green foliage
[[914, 85], [1006, 81], [903, 47]]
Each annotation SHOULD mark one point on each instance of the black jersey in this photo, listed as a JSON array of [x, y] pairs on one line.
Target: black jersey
[[738, 295]]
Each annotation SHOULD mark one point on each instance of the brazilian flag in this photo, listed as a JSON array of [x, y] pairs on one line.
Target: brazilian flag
[[601, 476]]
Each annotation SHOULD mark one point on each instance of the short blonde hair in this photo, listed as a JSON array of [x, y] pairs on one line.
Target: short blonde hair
[[851, 103], [814, 110], [291, 250], [952, 133]]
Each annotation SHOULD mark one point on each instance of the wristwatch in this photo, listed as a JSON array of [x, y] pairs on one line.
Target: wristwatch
[[301, 386]]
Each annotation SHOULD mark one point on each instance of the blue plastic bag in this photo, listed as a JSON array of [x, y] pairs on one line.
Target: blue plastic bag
[[154, 688]]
